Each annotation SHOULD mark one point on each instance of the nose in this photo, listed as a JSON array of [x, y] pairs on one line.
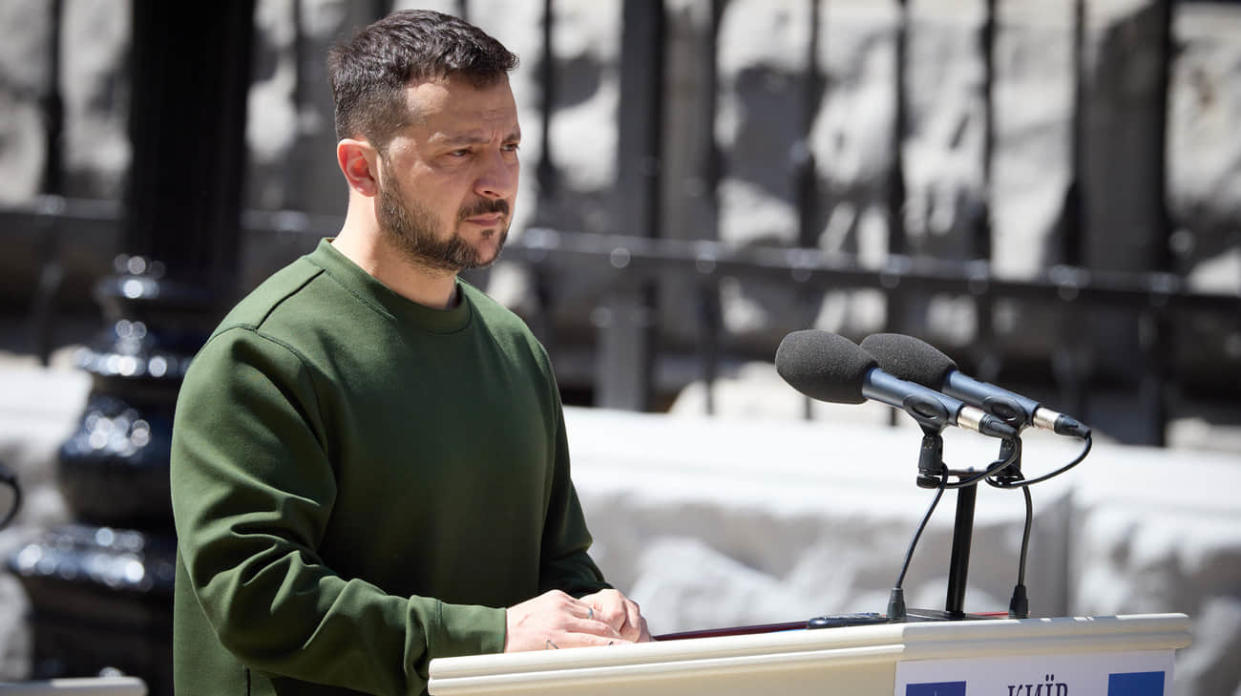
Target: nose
[[498, 177]]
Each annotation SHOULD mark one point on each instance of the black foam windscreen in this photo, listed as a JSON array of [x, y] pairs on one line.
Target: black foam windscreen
[[909, 358], [824, 366]]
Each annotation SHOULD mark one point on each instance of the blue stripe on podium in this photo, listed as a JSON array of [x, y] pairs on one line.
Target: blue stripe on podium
[[1135, 684], [936, 689]]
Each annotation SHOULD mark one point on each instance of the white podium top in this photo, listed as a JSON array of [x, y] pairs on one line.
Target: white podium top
[[853, 660]]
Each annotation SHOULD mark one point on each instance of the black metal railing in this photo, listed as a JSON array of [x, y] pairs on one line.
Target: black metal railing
[[641, 256]]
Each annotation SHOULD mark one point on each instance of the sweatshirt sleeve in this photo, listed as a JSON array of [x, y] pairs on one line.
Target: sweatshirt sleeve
[[565, 563], [252, 490]]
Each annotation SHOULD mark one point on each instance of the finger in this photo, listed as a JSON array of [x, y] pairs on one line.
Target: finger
[[632, 629], [645, 634], [611, 608], [594, 627], [561, 602], [582, 640], [580, 610]]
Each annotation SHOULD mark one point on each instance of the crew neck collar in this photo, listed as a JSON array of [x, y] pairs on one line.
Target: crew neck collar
[[383, 299]]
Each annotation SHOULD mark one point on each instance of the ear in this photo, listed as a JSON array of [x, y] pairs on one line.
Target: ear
[[359, 162]]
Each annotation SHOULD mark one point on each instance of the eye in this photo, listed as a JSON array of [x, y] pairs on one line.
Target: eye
[[461, 152], [511, 147]]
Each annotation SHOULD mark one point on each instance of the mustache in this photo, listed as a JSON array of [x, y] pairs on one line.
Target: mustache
[[485, 206]]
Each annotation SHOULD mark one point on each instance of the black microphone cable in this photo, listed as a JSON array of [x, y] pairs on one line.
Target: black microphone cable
[[1009, 469], [993, 470], [896, 599], [1019, 604], [1088, 439]]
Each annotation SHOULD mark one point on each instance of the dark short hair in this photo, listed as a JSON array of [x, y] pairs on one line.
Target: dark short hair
[[370, 71]]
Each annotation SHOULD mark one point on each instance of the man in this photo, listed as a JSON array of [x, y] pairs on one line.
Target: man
[[369, 459]]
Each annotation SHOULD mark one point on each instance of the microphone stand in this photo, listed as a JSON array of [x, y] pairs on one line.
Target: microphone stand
[[963, 533], [933, 473], [959, 560], [1019, 604]]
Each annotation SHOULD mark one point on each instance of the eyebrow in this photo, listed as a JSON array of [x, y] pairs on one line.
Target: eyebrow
[[476, 138]]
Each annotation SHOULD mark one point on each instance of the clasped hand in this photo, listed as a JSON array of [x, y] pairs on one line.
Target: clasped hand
[[556, 620]]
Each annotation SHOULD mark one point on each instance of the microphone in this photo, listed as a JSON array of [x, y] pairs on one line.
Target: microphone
[[829, 367], [919, 362]]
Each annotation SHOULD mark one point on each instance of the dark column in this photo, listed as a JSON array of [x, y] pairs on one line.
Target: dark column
[[544, 323], [707, 310], [1123, 213], [624, 357], [806, 174], [897, 244], [51, 272], [805, 169], [191, 74], [101, 588], [897, 306], [1155, 332], [986, 356], [1069, 360]]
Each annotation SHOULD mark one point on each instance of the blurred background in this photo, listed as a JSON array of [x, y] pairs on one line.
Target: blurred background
[[1048, 191]]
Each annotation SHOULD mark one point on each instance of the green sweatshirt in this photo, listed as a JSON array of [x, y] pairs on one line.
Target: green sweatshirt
[[361, 484]]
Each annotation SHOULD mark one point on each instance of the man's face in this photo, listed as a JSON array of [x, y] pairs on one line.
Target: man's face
[[448, 180]]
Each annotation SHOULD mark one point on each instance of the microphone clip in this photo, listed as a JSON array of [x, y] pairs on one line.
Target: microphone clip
[[931, 467], [1010, 450]]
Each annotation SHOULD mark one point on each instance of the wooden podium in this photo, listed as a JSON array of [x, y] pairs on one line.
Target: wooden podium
[[1043, 654]]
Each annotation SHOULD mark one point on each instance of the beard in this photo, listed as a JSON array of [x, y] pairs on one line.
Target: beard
[[414, 229]]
